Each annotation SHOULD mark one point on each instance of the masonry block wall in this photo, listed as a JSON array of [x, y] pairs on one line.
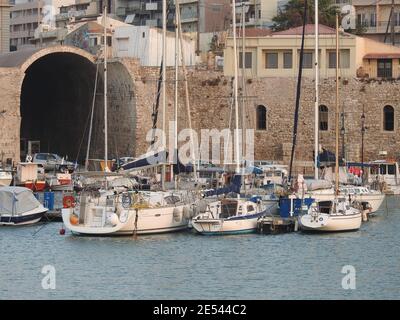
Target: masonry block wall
[[133, 91]]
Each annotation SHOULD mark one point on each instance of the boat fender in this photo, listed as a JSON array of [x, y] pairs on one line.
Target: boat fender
[[73, 219], [187, 213], [113, 219], [177, 213]]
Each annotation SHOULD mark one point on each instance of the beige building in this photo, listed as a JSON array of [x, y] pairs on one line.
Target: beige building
[[278, 55], [4, 26], [374, 15]]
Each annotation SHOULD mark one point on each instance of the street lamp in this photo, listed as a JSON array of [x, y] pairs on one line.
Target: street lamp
[[362, 144]]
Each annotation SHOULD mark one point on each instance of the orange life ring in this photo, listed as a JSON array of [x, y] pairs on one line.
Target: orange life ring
[[69, 202]]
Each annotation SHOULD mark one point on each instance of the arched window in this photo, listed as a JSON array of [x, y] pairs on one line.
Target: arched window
[[323, 118], [261, 118], [388, 118]]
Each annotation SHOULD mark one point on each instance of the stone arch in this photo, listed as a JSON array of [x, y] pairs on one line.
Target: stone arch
[[18, 65]]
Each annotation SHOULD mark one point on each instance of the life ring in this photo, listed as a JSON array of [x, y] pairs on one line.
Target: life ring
[[126, 200], [68, 202]]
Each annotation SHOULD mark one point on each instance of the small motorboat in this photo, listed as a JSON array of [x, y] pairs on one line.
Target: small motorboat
[[229, 216], [19, 206]]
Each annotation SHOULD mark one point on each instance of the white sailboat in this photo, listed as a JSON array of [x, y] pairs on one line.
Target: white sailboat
[[231, 216], [362, 194], [339, 214], [117, 212]]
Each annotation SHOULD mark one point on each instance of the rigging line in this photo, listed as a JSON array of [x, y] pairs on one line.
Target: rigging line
[[156, 105], [298, 93], [89, 117], [230, 126]]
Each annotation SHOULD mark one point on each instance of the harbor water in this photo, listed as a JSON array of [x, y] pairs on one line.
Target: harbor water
[[189, 266]]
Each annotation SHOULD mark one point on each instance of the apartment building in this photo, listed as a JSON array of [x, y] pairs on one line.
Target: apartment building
[[373, 16], [259, 13], [4, 26], [27, 15]]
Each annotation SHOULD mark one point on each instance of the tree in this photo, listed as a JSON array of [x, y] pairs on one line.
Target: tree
[[292, 14]]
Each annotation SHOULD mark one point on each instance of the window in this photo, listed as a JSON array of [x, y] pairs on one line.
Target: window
[[272, 60], [397, 19], [373, 20], [344, 59], [307, 60], [388, 118], [323, 118], [261, 118], [287, 60], [391, 169], [361, 20], [248, 60], [384, 68]]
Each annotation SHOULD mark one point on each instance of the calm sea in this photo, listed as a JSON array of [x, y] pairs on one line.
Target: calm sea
[[189, 266]]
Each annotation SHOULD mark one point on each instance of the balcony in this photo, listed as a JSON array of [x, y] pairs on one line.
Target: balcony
[[22, 34], [380, 27]]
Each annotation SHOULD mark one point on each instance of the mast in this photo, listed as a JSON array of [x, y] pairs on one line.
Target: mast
[[316, 107], [362, 144], [176, 89], [105, 92], [164, 70], [243, 79], [235, 86], [337, 109], [187, 101]]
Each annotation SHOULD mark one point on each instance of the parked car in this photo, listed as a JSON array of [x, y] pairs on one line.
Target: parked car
[[53, 162]]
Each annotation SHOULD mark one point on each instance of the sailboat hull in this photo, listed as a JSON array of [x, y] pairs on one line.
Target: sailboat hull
[[330, 223], [148, 221]]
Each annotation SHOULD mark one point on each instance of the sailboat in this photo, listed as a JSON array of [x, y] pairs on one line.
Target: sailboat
[[339, 214], [123, 212], [231, 215]]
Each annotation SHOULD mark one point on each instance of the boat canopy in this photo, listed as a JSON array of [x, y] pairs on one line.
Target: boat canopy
[[17, 200]]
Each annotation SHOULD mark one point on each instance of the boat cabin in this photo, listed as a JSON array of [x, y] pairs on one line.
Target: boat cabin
[[231, 208], [385, 171]]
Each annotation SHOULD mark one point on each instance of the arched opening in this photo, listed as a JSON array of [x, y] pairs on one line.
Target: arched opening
[[56, 101], [323, 118], [261, 117], [388, 118], [56, 98]]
